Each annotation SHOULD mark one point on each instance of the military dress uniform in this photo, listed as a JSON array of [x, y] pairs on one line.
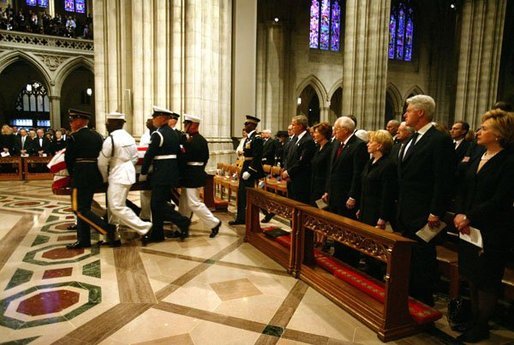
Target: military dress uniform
[[116, 162], [162, 154], [194, 160], [81, 156], [252, 152]]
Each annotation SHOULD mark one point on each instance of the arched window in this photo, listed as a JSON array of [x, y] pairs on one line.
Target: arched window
[[325, 25], [78, 6], [33, 99], [38, 3], [401, 31]]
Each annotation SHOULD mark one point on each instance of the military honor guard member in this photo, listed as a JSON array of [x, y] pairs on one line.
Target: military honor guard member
[[81, 155], [251, 170], [194, 160], [116, 162], [162, 154]]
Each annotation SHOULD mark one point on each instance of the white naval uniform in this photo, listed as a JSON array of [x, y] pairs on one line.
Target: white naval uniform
[[121, 176]]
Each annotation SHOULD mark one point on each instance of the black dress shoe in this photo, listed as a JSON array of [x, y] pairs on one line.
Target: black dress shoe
[[78, 245], [72, 227], [215, 230], [267, 218], [172, 234], [114, 243], [236, 222], [145, 239], [184, 231]]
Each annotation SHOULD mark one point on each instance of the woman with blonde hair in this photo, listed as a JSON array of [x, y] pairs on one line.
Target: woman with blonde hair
[[484, 202]]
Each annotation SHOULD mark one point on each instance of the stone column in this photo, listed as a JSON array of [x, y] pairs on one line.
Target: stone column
[[479, 58], [51, 8], [365, 61], [55, 111]]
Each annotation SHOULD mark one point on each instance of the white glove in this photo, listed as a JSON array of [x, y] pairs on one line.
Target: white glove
[[246, 175], [142, 178]]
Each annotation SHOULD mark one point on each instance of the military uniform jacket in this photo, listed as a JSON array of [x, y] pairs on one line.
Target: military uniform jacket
[[81, 157], [117, 164], [194, 159], [164, 142], [252, 151]]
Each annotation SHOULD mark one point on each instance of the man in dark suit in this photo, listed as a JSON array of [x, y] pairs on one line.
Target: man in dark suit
[[163, 154], [348, 158], [301, 151], [251, 171], [425, 176], [287, 146], [458, 133], [269, 147], [81, 156], [22, 144], [402, 138], [40, 144], [195, 158]]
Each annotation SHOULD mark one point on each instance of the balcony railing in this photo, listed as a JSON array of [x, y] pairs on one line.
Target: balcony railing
[[47, 43]]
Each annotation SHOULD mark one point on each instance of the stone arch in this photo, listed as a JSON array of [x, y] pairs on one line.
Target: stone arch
[[394, 102], [17, 55], [68, 67], [414, 90], [316, 84], [336, 101]]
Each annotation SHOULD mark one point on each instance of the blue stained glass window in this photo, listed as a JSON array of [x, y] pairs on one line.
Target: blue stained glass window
[[314, 27], [335, 30], [69, 5], [325, 25], [42, 3], [31, 2], [401, 31], [80, 6]]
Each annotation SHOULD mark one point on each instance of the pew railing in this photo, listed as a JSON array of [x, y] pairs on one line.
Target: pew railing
[[11, 168], [35, 168]]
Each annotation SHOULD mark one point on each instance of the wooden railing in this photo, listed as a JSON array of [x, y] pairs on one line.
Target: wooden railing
[[28, 168], [386, 312]]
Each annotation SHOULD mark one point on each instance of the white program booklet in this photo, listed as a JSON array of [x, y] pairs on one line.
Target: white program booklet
[[474, 237], [427, 233], [321, 204]]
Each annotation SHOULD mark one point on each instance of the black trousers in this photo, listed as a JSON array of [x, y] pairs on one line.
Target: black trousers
[[161, 211], [81, 200], [241, 198]]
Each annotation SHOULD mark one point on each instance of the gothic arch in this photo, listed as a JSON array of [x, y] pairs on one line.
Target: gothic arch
[[316, 84], [17, 55], [68, 67], [414, 90]]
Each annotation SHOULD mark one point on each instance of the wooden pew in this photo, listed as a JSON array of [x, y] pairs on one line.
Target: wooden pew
[[34, 168], [209, 196], [11, 168], [258, 199], [385, 307]]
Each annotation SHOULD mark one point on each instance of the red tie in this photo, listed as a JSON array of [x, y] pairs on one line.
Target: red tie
[[339, 150]]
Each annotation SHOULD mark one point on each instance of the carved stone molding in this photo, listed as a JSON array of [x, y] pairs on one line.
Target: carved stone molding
[[52, 61], [351, 239]]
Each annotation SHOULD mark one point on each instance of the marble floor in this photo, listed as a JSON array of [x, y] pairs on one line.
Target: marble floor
[[201, 291]]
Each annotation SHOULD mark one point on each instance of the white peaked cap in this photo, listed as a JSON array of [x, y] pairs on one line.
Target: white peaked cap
[[115, 116], [192, 118], [160, 110]]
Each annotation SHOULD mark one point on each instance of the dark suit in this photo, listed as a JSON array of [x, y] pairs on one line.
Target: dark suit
[[487, 199], [252, 152], [7, 141], [81, 161], [197, 151], [287, 148], [425, 177], [57, 145], [320, 163], [461, 150], [344, 175], [268, 151], [40, 145], [299, 168], [163, 154], [20, 145], [378, 194]]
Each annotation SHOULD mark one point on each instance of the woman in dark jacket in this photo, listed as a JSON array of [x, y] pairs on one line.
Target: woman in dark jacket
[[485, 202], [378, 182], [322, 133]]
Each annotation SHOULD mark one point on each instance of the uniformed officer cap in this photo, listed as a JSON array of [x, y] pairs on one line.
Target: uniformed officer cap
[[158, 111], [252, 119], [174, 115], [78, 114], [115, 116], [282, 134], [191, 118]]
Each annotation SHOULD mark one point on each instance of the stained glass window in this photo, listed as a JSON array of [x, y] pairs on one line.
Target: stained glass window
[[80, 6], [33, 99], [325, 25], [401, 31], [69, 5], [42, 3], [31, 2]]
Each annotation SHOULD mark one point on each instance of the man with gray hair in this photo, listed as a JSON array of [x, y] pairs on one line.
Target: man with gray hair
[[425, 176], [402, 137], [269, 147]]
